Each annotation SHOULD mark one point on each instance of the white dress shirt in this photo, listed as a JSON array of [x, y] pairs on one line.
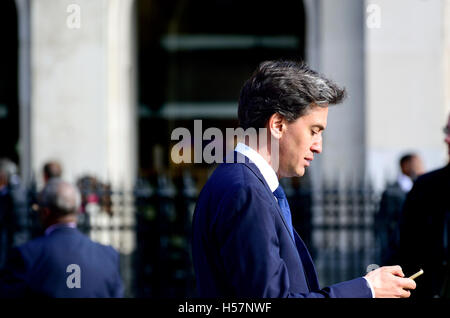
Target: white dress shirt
[[263, 166], [405, 182], [269, 174]]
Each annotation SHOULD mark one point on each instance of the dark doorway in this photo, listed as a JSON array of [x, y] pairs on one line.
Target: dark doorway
[[9, 109], [193, 58]]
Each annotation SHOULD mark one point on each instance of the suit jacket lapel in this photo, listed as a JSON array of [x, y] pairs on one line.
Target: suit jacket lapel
[[243, 159], [308, 265]]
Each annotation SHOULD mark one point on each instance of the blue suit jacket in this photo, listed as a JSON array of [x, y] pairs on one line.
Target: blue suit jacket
[[241, 245], [39, 268]]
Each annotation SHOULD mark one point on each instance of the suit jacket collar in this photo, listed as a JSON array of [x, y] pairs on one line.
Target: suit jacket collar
[[237, 157], [55, 227], [263, 166]]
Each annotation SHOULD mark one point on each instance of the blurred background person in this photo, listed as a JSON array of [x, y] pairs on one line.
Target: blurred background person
[[387, 219], [14, 209], [425, 230], [7, 224], [52, 169], [45, 265]]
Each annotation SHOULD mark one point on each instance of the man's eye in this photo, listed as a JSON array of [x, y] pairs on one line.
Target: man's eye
[[314, 132]]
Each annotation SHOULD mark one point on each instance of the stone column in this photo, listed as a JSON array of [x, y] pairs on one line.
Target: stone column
[[24, 78], [405, 103], [335, 47], [446, 31], [83, 104], [83, 88]]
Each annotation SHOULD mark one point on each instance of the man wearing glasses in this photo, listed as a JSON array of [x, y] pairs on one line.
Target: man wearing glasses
[[425, 230]]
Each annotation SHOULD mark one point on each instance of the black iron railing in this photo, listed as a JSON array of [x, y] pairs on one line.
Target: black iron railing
[[151, 227]]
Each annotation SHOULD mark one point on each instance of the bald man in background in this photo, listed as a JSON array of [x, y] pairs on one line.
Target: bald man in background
[[63, 262]]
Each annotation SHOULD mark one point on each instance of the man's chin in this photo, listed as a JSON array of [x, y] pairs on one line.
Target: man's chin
[[300, 172], [291, 173]]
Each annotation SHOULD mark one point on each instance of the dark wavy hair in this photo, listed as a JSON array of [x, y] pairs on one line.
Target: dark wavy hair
[[286, 87]]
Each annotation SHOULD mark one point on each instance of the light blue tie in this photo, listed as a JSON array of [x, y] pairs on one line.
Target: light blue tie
[[284, 205]]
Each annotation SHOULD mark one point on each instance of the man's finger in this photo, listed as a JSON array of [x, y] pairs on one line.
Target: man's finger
[[395, 270], [407, 283], [405, 294]]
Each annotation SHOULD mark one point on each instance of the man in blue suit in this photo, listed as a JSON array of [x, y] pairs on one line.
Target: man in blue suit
[[63, 262], [243, 241]]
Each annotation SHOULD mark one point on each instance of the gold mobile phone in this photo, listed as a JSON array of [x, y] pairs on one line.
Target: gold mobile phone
[[416, 274]]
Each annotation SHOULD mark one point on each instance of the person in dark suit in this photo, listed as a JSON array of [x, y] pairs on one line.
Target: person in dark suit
[[391, 204], [7, 217], [243, 241], [51, 169], [64, 262], [13, 209], [425, 230]]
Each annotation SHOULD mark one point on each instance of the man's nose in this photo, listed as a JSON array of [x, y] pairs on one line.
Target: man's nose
[[317, 146]]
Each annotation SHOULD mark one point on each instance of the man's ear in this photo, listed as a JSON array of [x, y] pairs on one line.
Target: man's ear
[[276, 125]]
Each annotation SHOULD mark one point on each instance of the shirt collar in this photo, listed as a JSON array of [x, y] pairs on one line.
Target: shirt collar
[[405, 182], [263, 166], [53, 227]]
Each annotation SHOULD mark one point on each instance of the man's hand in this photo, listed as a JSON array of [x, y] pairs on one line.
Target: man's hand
[[389, 282]]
